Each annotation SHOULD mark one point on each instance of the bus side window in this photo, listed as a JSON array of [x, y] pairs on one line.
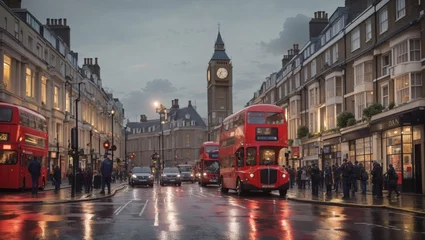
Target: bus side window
[[240, 157], [251, 156]]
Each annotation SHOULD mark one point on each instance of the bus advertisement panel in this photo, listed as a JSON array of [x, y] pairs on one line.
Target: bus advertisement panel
[[209, 164], [250, 142], [23, 137]]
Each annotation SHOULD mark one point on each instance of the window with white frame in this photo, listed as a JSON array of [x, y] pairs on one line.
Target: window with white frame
[[385, 95], [68, 102], [327, 57], [312, 122], [312, 97], [44, 90], [416, 85], [362, 100], [7, 72], [335, 52], [280, 92], [415, 49], [313, 68], [285, 85], [29, 82], [368, 30], [385, 64], [338, 86], [400, 9], [297, 80], [56, 97], [292, 108], [401, 53], [383, 20], [355, 39], [363, 73], [305, 74], [402, 88], [330, 115], [330, 87]]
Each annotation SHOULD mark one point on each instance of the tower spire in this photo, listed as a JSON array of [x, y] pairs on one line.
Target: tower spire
[[218, 27]]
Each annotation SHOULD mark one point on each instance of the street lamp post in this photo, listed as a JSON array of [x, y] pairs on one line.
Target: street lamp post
[[162, 111], [125, 149], [74, 135], [112, 126]]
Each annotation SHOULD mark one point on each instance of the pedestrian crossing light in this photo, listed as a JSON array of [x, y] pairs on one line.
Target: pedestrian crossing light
[[132, 155], [106, 144]]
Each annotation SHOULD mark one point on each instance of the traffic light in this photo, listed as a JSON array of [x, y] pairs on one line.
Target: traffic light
[[132, 155], [106, 144], [114, 148], [74, 140]]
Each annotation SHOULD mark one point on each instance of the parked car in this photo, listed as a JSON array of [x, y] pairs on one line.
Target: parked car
[[142, 176], [170, 175]]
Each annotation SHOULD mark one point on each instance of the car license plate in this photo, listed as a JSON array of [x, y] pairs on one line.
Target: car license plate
[[172, 180], [268, 186], [143, 180], [213, 180]]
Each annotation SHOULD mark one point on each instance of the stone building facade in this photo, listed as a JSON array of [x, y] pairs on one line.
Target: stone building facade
[[366, 61], [37, 62]]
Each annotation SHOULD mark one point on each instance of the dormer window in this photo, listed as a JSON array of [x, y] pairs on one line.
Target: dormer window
[[187, 116]]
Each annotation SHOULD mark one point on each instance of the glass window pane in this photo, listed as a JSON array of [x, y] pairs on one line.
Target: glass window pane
[[407, 148], [407, 166], [417, 133], [395, 161]]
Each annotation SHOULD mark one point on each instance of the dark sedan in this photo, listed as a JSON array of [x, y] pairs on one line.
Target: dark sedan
[[142, 176], [170, 176]]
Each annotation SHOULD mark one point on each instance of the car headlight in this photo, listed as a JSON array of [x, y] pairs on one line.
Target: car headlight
[[205, 174], [178, 175], [198, 174], [191, 174], [251, 175], [284, 175], [133, 176], [150, 176], [163, 175]]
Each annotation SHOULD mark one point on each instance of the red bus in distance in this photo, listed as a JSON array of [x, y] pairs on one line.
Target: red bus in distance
[[23, 137], [209, 167], [250, 142]]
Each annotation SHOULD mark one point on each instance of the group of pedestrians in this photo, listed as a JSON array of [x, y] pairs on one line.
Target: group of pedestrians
[[348, 175]]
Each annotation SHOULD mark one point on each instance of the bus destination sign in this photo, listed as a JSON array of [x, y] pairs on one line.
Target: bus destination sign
[[214, 155], [266, 134]]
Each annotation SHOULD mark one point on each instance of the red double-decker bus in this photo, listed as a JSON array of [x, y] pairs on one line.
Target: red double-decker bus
[[23, 137], [209, 167], [250, 142]]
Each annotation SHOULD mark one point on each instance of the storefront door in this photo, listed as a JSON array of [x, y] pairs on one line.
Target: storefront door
[[418, 166]]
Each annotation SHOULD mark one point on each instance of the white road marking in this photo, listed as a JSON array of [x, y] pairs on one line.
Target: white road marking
[[237, 205], [123, 207], [144, 207], [118, 209], [202, 195]]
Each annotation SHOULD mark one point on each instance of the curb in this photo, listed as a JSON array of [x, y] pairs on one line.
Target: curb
[[355, 205], [86, 199]]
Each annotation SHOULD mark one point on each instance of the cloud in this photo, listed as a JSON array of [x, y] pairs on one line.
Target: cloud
[[295, 31], [182, 63], [159, 85]]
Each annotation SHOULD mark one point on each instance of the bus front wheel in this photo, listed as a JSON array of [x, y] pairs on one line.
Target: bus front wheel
[[222, 188], [282, 193]]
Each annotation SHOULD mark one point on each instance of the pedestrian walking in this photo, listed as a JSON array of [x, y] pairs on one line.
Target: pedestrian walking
[[106, 170], [34, 168], [57, 177], [328, 179], [88, 178], [303, 177], [377, 179], [337, 177], [392, 181], [315, 180], [355, 175], [364, 177], [346, 174]]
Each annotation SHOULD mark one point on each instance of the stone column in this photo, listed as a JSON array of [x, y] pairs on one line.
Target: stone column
[[377, 149]]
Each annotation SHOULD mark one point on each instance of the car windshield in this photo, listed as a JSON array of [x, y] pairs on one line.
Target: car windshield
[[269, 155], [171, 170], [212, 167], [185, 168], [141, 170]]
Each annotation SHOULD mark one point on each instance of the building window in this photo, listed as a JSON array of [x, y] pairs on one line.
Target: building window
[[68, 102], [400, 9], [401, 53], [312, 124], [335, 52], [327, 57], [285, 89], [415, 49], [355, 39], [297, 80], [187, 140], [280, 92], [56, 98], [368, 30], [385, 95], [29, 83], [363, 152], [362, 100], [330, 87], [313, 68], [363, 73], [416, 85], [385, 64], [30, 43], [312, 97], [7, 63], [43, 90], [383, 21], [330, 116], [305, 74], [402, 89], [16, 29]]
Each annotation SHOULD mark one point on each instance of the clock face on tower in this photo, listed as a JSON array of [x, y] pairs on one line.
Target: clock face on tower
[[209, 75], [222, 73]]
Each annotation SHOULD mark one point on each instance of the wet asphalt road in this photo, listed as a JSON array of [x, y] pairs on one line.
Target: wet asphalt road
[[192, 212]]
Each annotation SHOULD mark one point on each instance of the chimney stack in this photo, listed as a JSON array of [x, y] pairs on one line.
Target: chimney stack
[[190, 103], [56, 22], [176, 103], [143, 118], [60, 29], [60, 21], [64, 21], [95, 61], [48, 21], [318, 23], [172, 103]]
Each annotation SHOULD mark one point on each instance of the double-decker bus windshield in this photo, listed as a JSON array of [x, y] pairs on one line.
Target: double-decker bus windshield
[[212, 167], [5, 114], [269, 155], [209, 149], [263, 118], [185, 168]]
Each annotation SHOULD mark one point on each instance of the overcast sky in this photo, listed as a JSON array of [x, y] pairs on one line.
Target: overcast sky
[[159, 49]]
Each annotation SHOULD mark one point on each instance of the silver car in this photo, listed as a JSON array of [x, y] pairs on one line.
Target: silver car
[[170, 176], [142, 176]]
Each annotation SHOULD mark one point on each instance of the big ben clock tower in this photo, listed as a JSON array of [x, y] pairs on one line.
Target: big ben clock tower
[[219, 85]]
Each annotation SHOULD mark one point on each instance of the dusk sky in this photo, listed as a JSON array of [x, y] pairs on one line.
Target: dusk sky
[[159, 49]]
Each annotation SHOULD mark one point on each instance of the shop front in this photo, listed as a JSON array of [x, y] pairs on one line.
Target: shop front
[[310, 154], [360, 146], [403, 147], [295, 160], [331, 152]]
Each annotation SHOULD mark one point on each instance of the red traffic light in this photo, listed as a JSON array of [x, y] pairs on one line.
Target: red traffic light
[[106, 144]]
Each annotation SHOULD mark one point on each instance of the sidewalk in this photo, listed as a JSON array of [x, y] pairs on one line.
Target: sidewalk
[[64, 196], [408, 203]]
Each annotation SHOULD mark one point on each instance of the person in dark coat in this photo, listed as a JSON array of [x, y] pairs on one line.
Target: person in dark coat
[[364, 176], [355, 175], [346, 169], [315, 180], [392, 181], [377, 179], [328, 179], [34, 168], [57, 177], [337, 177], [88, 179], [106, 170]]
